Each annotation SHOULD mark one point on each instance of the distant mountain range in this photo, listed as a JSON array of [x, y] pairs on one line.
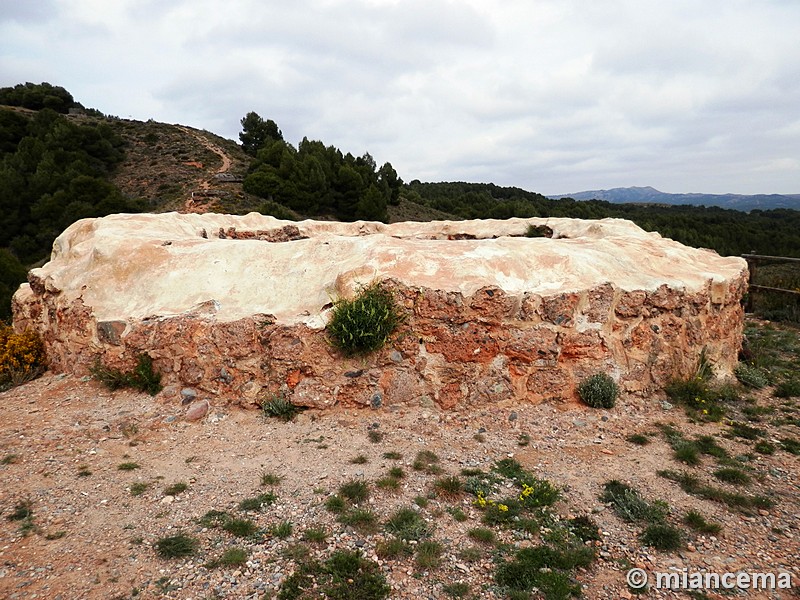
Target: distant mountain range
[[649, 195]]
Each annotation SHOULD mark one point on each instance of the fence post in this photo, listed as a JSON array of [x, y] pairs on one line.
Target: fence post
[[751, 267]]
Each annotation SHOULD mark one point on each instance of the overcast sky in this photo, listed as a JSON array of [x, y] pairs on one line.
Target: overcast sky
[[552, 96]]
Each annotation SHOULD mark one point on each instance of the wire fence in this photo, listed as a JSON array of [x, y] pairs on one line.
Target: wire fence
[[774, 286]]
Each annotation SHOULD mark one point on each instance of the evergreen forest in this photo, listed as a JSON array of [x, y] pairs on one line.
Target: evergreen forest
[[55, 170]]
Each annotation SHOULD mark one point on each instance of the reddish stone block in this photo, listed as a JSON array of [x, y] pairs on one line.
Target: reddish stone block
[[493, 305], [600, 300], [631, 304], [449, 396], [531, 345], [470, 342], [560, 309], [580, 346]]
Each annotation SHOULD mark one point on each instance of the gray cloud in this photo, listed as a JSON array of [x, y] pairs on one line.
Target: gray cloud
[[549, 95]]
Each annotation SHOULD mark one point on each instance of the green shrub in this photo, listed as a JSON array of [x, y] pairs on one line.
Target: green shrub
[[449, 487], [510, 469], [733, 476], [599, 391], [335, 504], [482, 535], [458, 514], [537, 492], [240, 527], [354, 490], [232, 557], [481, 484], [213, 518], [708, 445], [282, 530], [751, 376], [270, 479], [364, 324], [503, 512], [699, 523], [138, 488], [456, 590], [787, 389], [393, 548], [744, 431], [662, 536], [142, 377], [686, 391], [537, 231], [389, 483], [315, 534], [790, 445], [691, 484], [704, 369], [345, 575], [427, 461], [629, 505], [279, 407], [362, 520], [687, 452], [763, 447], [584, 528], [429, 554], [22, 510], [176, 488], [258, 502], [638, 438], [546, 569], [407, 524], [176, 546], [471, 554]]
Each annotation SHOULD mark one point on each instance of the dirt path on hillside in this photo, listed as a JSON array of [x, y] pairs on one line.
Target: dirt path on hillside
[[226, 160], [203, 185]]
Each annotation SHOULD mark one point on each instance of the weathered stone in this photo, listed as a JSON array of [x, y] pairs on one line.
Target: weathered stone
[[631, 304], [197, 411], [489, 315], [600, 300], [188, 395], [560, 310], [312, 393], [111, 331]]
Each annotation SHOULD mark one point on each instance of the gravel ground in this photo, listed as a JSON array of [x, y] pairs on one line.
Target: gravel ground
[[88, 534]]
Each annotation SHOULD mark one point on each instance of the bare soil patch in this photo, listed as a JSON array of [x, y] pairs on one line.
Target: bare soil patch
[[93, 526]]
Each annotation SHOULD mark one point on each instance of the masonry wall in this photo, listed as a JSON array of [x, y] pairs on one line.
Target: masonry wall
[[451, 350]]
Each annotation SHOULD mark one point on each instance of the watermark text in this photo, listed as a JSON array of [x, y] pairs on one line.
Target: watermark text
[[685, 579]]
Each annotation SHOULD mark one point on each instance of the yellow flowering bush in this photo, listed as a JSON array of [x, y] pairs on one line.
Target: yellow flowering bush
[[21, 356], [497, 513]]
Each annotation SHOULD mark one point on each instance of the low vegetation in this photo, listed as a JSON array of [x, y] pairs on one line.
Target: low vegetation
[[176, 546], [278, 407], [598, 391], [22, 356], [142, 377], [364, 323], [345, 574]]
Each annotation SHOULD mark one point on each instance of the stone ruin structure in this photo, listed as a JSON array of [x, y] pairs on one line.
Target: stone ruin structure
[[236, 306]]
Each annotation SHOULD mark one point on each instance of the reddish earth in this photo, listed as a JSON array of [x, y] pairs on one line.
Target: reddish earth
[[89, 537]]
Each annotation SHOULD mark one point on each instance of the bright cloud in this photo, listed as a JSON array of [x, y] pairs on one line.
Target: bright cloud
[[553, 96]]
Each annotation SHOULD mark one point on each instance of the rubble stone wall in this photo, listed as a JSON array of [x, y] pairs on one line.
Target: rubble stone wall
[[235, 307]]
